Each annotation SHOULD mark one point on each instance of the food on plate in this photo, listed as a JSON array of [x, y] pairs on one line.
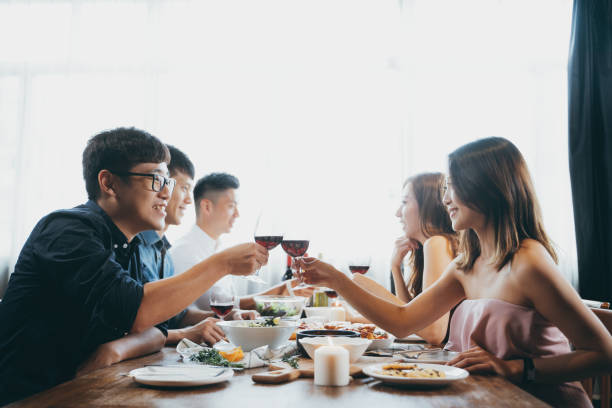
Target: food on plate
[[410, 371], [367, 331], [233, 355], [210, 356]]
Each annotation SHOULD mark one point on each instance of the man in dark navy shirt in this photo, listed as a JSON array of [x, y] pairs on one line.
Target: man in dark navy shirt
[[78, 285]]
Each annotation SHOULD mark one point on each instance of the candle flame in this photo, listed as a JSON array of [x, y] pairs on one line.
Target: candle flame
[[336, 304], [330, 342]]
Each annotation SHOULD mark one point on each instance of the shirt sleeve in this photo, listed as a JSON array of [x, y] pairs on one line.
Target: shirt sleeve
[[182, 259], [175, 322], [85, 271]]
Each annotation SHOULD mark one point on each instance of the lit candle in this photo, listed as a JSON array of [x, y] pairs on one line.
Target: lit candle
[[331, 365]]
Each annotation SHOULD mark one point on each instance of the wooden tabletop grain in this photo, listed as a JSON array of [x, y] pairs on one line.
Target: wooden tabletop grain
[[110, 387]]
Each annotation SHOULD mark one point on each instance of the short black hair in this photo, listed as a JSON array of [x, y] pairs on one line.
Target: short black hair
[[119, 150], [212, 183], [179, 162]]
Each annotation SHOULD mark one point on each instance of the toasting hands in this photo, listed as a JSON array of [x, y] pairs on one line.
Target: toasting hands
[[317, 272], [243, 259]]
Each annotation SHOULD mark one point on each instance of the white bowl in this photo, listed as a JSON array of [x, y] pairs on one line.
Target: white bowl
[[382, 343], [280, 306], [240, 334], [356, 346], [330, 313]]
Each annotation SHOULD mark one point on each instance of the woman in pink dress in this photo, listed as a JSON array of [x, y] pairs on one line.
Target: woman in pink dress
[[518, 311]]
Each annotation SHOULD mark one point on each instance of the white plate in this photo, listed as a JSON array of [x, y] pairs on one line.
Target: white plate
[[452, 374], [180, 375], [433, 357]]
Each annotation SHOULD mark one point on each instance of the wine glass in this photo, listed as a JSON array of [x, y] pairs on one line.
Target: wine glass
[[359, 264], [268, 235], [222, 300], [295, 246]]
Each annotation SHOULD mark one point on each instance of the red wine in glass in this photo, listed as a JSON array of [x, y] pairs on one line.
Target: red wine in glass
[[268, 241], [222, 309], [331, 293], [295, 247], [362, 269]]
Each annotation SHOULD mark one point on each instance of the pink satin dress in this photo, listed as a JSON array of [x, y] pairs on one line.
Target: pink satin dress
[[511, 332]]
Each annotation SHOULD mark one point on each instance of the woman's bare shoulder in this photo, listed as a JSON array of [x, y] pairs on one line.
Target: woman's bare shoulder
[[533, 264], [436, 243]]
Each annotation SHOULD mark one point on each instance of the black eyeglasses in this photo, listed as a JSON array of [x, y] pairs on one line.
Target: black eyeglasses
[[157, 182]]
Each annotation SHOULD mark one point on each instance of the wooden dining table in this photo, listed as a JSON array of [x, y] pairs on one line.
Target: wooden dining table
[[112, 387]]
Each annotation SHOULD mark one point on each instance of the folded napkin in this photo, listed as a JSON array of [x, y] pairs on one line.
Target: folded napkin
[[259, 357]]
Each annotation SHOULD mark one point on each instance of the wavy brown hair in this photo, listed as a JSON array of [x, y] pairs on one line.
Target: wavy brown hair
[[434, 220], [490, 176]]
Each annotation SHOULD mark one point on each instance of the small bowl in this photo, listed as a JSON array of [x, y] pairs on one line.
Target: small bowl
[[280, 306], [321, 333], [240, 334], [355, 346], [381, 343], [329, 313]]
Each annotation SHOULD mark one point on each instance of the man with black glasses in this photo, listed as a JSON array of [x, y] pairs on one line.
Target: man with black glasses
[[77, 284]]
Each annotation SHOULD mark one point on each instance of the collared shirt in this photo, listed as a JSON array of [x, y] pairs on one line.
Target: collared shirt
[[157, 264], [76, 285], [192, 249]]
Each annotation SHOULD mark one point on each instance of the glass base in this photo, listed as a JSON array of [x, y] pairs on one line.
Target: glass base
[[255, 279]]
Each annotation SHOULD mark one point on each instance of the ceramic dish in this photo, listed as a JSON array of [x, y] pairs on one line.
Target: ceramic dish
[[451, 374], [356, 346], [240, 334], [180, 375], [280, 306], [381, 343]]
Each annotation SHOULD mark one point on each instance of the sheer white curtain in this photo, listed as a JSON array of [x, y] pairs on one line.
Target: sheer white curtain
[[321, 108]]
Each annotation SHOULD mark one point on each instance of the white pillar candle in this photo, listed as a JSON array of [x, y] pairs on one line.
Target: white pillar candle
[[337, 314], [331, 366]]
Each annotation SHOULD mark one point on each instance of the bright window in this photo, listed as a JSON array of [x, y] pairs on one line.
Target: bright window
[[321, 108]]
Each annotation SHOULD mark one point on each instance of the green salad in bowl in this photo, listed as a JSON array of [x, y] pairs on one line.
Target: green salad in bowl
[[280, 306], [267, 322]]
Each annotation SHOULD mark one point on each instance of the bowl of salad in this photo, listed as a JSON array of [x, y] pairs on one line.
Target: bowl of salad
[[251, 334], [280, 306]]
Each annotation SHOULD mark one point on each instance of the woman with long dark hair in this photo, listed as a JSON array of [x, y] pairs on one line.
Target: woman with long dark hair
[[518, 311], [429, 241]]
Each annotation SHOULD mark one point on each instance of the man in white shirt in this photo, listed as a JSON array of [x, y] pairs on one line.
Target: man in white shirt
[[216, 211]]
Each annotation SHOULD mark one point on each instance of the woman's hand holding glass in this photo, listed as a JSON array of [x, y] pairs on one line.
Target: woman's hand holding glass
[[317, 272], [297, 289]]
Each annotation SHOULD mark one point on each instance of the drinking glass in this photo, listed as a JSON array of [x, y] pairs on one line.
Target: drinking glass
[[295, 244], [359, 264], [268, 235], [222, 300]]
